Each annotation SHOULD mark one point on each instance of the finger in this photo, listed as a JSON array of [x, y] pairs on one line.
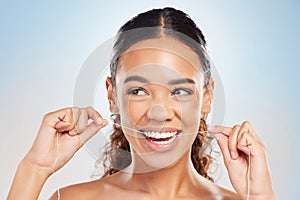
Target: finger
[[232, 142], [60, 120], [245, 142], [76, 114], [82, 122], [81, 117], [91, 130], [94, 115], [68, 118], [223, 144], [219, 130], [53, 118], [248, 142], [93, 127], [62, 126], [247, 127]]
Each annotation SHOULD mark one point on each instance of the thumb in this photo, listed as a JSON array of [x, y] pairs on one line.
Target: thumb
[[223, 144], [91, 130]]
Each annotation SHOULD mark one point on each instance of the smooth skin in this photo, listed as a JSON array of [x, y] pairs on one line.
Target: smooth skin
[[35, 168], [69, 129], [63, 132]]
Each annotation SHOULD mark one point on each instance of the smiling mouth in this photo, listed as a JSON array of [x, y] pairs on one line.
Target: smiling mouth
[[160, 138]]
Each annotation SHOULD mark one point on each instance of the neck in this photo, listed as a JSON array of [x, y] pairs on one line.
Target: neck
[[171, 181]]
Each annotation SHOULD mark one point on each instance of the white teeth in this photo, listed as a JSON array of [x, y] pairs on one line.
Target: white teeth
[[165, 142], [160, 135]]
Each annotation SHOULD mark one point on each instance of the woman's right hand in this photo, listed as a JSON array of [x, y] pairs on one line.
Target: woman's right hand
[[61, 134]]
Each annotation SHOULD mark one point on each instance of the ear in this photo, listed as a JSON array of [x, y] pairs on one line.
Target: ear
[[111, 96], [207, 97]]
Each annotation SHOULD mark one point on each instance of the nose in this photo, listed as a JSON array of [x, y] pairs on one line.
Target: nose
[[160, 113]]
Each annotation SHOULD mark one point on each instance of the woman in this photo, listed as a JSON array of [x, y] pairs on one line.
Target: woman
[[160, 94]]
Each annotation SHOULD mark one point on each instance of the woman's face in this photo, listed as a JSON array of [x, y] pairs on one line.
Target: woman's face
[[158, 94]]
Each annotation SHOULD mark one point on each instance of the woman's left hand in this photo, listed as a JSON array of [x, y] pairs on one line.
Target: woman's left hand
[[237, 144]]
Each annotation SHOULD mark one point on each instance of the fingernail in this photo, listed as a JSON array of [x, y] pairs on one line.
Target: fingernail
[[73, 132], [233, 154]]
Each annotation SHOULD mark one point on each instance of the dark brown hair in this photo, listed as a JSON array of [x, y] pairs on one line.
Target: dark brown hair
[[154, 24]]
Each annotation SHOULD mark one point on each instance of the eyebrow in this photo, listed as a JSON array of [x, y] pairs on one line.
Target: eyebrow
[[136, 78], [181, 81], [172, 82]]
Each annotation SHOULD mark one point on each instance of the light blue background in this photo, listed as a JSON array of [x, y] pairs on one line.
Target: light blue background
[[255, 46]]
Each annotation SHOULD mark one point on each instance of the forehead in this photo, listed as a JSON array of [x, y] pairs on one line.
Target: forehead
[[162, 54]]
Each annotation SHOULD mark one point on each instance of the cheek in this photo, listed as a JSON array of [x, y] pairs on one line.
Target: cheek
[[191, 113], [133, 111], [190, 119], [190, 124]]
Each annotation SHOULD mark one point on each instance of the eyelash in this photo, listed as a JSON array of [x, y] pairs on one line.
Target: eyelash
[[134, 91], [187, 91]]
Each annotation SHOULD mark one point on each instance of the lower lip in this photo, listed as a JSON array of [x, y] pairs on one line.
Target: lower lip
[[161, 147]]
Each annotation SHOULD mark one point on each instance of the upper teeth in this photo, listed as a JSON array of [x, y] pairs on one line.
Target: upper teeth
[[160, 135]]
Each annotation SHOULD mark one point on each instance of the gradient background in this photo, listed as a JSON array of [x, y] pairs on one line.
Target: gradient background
[[254, 45]]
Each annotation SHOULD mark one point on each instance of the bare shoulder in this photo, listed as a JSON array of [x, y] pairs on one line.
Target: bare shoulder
[[228, 195], [110, 187], [98, 189], [78, 191], [213, 191]]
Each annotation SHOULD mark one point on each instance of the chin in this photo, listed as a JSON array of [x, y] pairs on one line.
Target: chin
[[157, 160]]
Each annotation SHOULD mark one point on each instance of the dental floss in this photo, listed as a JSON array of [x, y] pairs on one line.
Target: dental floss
[[200, 132], [55, 162], [249, 172], [211, 138]]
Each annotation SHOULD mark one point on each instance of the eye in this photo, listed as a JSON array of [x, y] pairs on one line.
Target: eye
[[137, 91], [181, 92]]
